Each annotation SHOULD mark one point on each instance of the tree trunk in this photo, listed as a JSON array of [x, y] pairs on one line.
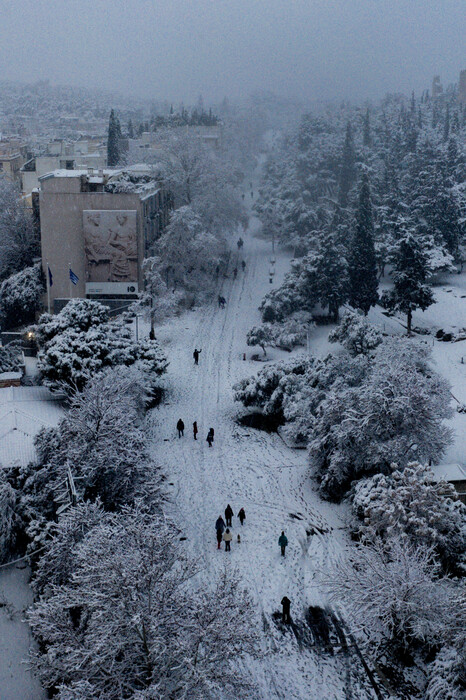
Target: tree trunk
[[410, 318]]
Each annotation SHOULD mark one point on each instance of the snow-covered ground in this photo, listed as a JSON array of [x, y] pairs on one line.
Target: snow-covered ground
[[251, 469]]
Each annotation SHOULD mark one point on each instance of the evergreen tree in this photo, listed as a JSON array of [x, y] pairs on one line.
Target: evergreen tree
[[362, 261], [413, 102], [130, 130], [114, 135], [366, 129], [410, 290], [446, 128], [348, 169], [332, 275]]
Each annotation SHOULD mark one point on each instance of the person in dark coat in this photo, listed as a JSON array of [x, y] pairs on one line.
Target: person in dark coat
[[235, 273], [195, 430], [286, 604], [210, 438], [180, 428], [196, 354], [228, 514], [283, 542], [212, 432], [243, 265], [242, 516], [219, 527]]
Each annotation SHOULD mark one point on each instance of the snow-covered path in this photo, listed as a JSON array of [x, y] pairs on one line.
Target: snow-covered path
[[246, 468]]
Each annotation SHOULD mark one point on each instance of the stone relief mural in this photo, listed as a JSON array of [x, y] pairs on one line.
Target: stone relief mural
[[110, 244]]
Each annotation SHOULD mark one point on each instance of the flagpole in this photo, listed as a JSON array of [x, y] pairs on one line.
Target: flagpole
[[48, 287], [69, 278]]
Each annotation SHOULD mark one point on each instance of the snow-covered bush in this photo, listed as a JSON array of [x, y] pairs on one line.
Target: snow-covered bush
[[356, 334], [394, 414], [20, 297], [127, 606], [78, 314], [10, 357], [73, 353], [392, 592], [408, 503], [287, 334], [267, 389]]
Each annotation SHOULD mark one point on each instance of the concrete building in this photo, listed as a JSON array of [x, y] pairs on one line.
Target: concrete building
[[13, 153], [101, 224], [38, 166]]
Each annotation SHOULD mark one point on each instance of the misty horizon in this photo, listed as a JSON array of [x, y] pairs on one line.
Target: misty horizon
[[308, 51]]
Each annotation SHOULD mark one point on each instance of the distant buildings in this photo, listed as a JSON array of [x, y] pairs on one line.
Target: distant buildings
[[13, 153], [100, 224], [60, 154]]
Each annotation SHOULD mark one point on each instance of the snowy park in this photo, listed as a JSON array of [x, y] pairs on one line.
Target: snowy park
[[233, 351]]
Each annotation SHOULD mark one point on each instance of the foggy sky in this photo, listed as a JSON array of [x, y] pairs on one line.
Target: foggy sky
[[178, 49]]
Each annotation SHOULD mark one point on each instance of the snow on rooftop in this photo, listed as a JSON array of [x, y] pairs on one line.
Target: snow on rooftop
[[449, 472], [23, 412]]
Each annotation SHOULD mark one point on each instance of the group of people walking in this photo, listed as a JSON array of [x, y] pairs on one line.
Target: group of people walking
[[223, 529], [180, 429]]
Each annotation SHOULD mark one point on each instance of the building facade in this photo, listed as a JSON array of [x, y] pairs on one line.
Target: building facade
[[101, 224]]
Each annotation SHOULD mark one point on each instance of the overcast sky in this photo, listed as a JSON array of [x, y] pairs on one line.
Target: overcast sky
[[177, 49]]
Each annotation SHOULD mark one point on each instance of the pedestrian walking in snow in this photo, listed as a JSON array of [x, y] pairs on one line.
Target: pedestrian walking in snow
[[219, 299], [242, 196], [240, 243], [228, 514], [180, 428], [242, 516], [243, 265], [286, 605], [219, 527], [235, 273], [212, 432], [283, 542], [210, 438], [238, 538], [227, 537], [196, 354], [195, 430]]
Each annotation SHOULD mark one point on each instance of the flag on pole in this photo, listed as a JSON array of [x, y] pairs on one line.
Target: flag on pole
[[74, 278], [50, 275]]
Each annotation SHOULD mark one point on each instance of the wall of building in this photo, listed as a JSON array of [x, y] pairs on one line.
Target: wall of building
[[62, 238]]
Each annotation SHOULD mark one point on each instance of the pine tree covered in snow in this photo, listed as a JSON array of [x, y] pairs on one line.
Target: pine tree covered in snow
[[362, 262], [410, 289], [113, 140], [348, 167]]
